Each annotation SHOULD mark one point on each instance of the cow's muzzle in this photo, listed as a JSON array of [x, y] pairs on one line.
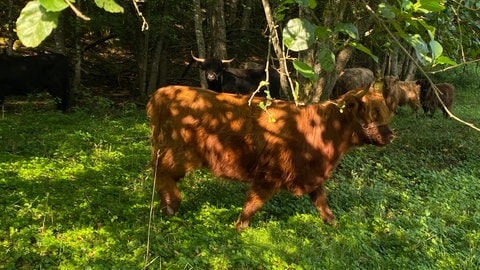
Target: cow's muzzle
[[378, 134]]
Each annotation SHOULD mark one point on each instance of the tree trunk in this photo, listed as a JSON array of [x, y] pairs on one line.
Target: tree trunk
[[394, 62], [59, 35], [219, 30], [155, 65], [200, 38], [78, 57], [11, 27], [411, 68], [246, 14], [232, 12], [277, 47]]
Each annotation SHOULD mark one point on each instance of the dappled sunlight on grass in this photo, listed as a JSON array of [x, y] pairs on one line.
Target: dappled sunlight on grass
[[76, 193]]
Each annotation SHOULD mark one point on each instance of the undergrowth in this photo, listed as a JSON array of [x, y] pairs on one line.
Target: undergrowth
[[76, 192]]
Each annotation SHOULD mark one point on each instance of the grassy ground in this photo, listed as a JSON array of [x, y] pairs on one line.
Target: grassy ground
[[76, 192]]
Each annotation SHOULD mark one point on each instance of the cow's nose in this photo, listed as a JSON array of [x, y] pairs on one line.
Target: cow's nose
[[211, 76]]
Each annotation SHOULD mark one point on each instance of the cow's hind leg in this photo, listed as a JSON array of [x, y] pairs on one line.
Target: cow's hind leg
[[319, 199], [257, 196]]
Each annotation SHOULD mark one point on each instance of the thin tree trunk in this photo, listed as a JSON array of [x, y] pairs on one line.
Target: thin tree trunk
[[394, 62], [155, 65], [78, 57], [11, 27], [246, 14], [200, 38], [232, 12], [277, 47], [59, 35]]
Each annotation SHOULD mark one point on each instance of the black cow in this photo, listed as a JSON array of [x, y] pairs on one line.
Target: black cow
[[220, 78], [21, 75]]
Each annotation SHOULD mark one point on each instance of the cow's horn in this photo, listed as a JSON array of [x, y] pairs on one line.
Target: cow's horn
[[201, 60], [227, 61]]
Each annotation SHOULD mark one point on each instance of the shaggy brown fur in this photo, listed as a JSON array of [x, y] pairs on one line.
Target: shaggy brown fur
[[399, 93], [351, 79], [429, 100], [288, 147]]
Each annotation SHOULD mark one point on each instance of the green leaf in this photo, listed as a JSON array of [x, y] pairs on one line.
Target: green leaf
[[35, 23], [307, 3], [436, 49], [298, 35], [323, 32], [306, 70], [387, 11], [420, 46], [327, 59], [430, 29], [427, 6], [364, 49], [53, 5], [109, 5], [442, 59], [347, 28]]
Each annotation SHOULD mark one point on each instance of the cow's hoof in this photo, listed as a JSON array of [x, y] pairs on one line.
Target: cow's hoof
[[241, 226], [168, 210]]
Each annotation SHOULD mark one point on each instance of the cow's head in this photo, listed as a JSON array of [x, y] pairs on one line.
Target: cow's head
[[388, 82], [370, 116], [424, 86], [212, 66]]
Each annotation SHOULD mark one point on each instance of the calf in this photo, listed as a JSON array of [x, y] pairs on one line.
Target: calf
[[222, 79], [429, 100], [21, 75], [287, 147], [399, 93], [353, 78]]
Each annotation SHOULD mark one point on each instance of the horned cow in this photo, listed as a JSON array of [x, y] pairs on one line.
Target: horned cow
[[296, 150], [223, 79]]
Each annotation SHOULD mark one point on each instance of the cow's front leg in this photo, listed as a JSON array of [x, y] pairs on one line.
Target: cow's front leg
[[319, 199], [257, 196], [170, 197]]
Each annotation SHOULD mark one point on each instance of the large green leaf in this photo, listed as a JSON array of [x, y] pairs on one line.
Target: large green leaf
[[327, 59], [54, 5], [420, 46], [35, 23], [109, 5], [306, 70], [298, 34], [436, 48]]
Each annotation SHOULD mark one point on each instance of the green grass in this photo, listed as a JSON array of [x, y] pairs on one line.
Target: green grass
[[76, 191]]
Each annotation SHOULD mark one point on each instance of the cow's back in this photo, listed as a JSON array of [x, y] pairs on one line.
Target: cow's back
[[207, 128]]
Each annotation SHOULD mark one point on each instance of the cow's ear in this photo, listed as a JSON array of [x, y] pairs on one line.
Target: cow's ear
[[353, 104]]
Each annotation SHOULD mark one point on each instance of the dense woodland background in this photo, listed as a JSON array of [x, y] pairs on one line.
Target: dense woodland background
[[115, 54]]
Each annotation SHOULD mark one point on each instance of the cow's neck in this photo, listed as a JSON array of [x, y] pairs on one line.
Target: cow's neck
[[337, 131]]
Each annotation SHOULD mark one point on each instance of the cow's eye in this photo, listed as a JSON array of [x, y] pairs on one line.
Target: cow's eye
[[375, 114]]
